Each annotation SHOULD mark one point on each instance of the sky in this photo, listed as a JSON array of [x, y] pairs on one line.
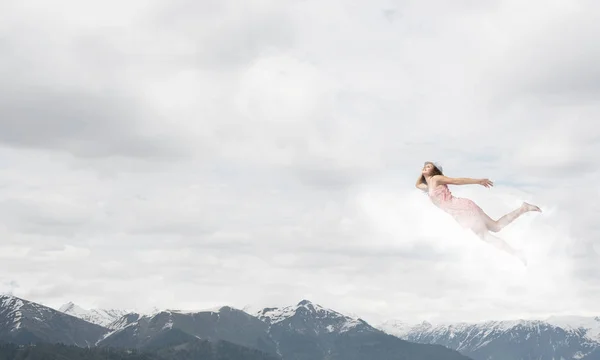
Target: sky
[[189, 154]]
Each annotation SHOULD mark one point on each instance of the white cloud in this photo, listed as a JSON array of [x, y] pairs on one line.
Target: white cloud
[[202, 154]]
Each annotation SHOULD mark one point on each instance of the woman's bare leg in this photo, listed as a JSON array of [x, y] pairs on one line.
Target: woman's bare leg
[[497, 225], [502, 245]]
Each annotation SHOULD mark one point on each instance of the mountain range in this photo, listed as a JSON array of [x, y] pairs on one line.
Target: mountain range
[[549, 339], [24, 322], [304, 331], [301, 332], [100, 317]]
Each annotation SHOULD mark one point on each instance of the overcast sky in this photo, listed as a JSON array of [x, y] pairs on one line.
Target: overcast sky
[[188, 154]]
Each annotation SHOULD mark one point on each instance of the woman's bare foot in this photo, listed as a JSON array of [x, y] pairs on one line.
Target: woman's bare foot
[[529, 207]]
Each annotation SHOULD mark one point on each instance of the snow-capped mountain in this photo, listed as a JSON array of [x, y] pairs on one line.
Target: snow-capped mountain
[[10, 313], [100, 317], [302, 331], [400, 328], [313, 317], [22, 322], [225, 323], [591, 325], [311, 331], [553, 338], [124, 321]]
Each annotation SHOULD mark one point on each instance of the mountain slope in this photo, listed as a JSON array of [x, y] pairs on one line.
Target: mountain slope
[[226, 324], [309, 331], [196, 350], [207, 350], [300, 332], [594, 355], [24, 322], [507, 340], [100, 317], [124, 321], [309, 317], [589, 325]]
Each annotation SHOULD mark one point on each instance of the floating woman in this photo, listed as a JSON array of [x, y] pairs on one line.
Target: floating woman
[[465, 211]]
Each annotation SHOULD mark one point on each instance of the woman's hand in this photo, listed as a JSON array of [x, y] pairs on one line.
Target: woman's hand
[[485, 182]]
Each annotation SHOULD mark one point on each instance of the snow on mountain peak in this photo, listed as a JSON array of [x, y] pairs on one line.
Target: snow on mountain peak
[[276, 315], [215, 309], [66, 307], [401, 328], [328, 319], [10, 302], [73, 310], [591, 325], [102, 317], [588, 327], [16, 309], [10, 307]]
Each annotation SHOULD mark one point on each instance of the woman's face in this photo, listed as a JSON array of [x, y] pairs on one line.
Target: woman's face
[[427, 169]]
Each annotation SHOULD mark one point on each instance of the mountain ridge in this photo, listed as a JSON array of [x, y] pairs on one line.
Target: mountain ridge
[[102, 317], [304, 331], [564, 337], [23, 321]]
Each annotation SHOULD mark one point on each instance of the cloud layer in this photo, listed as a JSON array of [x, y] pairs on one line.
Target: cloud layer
[[189, 154]]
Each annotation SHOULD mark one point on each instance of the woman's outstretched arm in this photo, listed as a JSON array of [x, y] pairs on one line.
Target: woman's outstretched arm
[[441, 180]]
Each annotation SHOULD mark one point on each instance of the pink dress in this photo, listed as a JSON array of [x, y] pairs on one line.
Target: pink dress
[[468, 214]]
